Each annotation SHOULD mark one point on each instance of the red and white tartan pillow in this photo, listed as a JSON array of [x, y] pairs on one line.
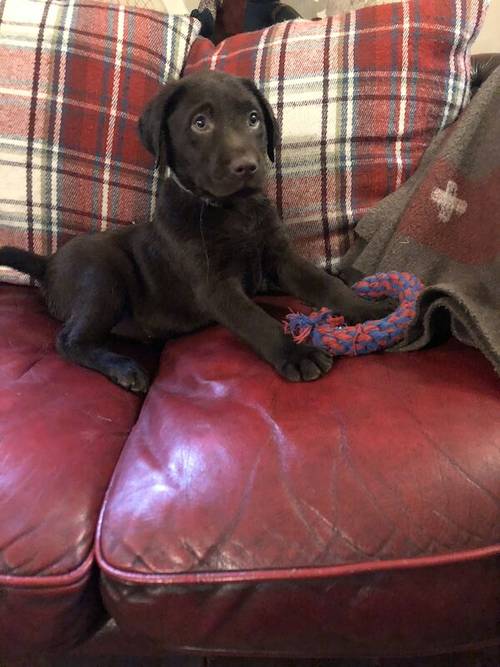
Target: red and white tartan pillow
[[75, 77], [358, 97]]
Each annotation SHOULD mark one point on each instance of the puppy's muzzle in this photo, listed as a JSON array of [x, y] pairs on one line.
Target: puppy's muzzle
[[244, 166]]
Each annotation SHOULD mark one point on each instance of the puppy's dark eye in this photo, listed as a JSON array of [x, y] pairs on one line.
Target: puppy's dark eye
[[200, 123], [253, 119]]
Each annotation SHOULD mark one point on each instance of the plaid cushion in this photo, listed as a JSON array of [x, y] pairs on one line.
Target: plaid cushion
[[157, 5], [358, 97], [75, 77]]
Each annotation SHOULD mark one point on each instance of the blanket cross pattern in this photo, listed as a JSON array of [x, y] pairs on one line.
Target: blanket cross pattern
[[447, 201]]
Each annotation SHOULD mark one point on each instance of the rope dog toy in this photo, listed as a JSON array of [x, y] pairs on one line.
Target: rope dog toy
[[329, 332]]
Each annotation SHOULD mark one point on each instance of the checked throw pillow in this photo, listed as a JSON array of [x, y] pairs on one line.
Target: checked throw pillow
[[75, 77], [358, 97]]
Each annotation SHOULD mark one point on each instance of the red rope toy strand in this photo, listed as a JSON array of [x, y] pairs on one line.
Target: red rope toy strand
[[323, 329]]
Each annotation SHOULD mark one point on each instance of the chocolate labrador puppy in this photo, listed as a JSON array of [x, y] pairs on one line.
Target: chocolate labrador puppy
[[214, 238]]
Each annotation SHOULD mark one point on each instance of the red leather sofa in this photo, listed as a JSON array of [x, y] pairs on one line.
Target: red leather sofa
[[233, 513]]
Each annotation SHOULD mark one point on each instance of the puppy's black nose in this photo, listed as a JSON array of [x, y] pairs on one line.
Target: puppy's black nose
[[243, 166]]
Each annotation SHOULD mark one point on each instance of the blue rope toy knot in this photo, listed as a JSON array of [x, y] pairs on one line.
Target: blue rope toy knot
[[328, 331]]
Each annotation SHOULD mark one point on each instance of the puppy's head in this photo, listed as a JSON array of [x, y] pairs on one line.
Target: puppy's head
[[215, 131]]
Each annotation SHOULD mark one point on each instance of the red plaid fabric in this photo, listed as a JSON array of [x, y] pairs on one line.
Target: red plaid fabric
[[358, 97], [75, 77]]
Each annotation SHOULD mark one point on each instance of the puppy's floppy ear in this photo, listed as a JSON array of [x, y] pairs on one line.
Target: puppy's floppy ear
[[153, 128], [272, 129]]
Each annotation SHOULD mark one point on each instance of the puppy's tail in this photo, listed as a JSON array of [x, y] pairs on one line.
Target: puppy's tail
[[24, 261]]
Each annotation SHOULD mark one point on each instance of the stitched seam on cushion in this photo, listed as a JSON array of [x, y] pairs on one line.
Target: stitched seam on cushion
[[51, 581], [248, 576]]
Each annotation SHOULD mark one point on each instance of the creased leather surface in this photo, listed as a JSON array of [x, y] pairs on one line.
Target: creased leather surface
[[61, 432], [62, 428], [231, 468], [232, 476]]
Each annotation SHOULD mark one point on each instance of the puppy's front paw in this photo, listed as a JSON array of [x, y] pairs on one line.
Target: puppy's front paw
[[303, 363], [129, 375]]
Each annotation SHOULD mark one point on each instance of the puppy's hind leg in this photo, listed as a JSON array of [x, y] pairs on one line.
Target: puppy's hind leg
[[83, 337]]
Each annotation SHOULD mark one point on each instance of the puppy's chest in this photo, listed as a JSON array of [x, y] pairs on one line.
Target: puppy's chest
[[237, 249]]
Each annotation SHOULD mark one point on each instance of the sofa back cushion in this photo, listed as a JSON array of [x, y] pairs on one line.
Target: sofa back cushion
[[75, 77], [358, 97]]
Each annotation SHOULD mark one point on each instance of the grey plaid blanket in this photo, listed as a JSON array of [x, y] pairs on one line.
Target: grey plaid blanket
[[443, 225]]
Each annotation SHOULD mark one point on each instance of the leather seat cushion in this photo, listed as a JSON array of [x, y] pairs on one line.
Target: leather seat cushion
[[357, 515], [62, 428]]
